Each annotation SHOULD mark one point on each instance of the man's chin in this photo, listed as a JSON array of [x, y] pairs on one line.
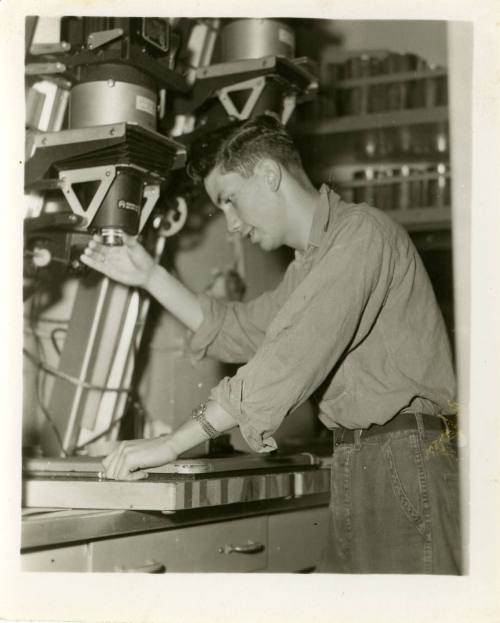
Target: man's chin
[[268, 245]]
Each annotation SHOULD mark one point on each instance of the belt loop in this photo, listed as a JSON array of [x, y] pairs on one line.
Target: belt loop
[[357, 438], [420, 425]]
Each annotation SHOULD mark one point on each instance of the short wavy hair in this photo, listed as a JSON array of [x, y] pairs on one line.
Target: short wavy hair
[[240, 146]]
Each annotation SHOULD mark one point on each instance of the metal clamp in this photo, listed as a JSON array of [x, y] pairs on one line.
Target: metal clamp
[[175, 219], [101, 37]]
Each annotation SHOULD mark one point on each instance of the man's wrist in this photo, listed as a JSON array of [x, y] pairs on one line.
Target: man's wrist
[[152, 278], [169, 441]]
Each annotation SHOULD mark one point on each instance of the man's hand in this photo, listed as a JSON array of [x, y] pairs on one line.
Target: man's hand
[[131, 458], [129, 264]]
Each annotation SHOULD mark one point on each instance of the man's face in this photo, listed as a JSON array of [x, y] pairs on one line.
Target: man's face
[[249, 205]]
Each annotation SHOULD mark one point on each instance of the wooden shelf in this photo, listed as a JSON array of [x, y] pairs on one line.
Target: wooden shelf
[[394, 77], [417, 219], [396, 179], [389, 119], [344, 169]]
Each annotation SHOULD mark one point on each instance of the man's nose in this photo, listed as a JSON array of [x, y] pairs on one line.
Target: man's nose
[[233, 221]]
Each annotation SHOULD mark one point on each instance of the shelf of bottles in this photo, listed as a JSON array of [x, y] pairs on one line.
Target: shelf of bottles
[[378, 132]]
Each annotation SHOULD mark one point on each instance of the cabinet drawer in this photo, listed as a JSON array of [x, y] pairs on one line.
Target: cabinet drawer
[[71, 558], [239, 545], [297, 539]]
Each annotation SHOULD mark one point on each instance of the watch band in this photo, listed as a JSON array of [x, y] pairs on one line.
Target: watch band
[[199, 415]]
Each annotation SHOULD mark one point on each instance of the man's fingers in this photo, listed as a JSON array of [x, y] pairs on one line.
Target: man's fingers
[[137, 475], [89, 260], [96, 256], [112, 462], [130, 241], [119, 465]]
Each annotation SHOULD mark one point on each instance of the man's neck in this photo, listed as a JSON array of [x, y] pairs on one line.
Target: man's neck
[[302, 201]]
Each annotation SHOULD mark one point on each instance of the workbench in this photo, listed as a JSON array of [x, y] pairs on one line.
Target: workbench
[[265, 523]]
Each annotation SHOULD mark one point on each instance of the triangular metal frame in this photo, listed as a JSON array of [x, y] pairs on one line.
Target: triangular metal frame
[[104, 174], [256, 85]]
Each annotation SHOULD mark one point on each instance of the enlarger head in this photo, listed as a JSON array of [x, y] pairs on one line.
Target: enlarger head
[[255, 72], [109, 161]]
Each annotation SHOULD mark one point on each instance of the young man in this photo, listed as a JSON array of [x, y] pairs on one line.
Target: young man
[[354, 320]]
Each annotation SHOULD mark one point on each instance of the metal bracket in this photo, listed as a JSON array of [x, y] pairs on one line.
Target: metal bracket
[[43, 49], [289, 102], [175, 219], [104, 174], [151, 192], [41, 69], [256, 85], [97, 39]]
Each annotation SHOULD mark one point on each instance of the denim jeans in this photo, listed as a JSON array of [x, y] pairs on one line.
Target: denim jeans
[[394, 505]]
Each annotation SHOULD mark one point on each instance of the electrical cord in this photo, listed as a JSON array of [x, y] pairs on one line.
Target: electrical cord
[[48, 320], [101, 434], [47, 415], [71, 379], [39, 379], [53, 338], [39, 360]]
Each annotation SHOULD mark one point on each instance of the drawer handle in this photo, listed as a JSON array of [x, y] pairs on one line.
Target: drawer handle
[[149, 567], [247, 548]]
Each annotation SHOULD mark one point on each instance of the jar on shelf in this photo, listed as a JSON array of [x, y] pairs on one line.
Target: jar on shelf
[[358, 67], [387, 142], [414, 62], [349, 101], [441, 138], [442, 91], [431, 92], [392, 63], [438, 186], [377, 98], [402, 188], [383, 193], [416, 94], [364, 192], [371, 144], [396, 95], [405, 139], [334, 73], [418, 188]]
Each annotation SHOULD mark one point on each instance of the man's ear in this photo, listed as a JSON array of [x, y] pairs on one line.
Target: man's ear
[[271, 173]]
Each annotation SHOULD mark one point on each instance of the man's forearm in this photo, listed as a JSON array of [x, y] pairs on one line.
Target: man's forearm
[[130, 459], [191, 433], [175, 297]]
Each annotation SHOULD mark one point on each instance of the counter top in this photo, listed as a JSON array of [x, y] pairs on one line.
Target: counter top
[[48, 527]]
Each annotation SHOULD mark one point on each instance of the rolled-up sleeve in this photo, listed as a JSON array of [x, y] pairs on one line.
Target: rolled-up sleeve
[[325, 317], [233, 331]]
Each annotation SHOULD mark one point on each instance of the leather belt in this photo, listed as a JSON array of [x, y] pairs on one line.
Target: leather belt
[[401, 421]]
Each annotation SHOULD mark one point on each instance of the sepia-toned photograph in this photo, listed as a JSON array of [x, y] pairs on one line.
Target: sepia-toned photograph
[[246, 247]]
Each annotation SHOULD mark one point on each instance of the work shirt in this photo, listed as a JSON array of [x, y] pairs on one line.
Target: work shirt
[[354, 317]]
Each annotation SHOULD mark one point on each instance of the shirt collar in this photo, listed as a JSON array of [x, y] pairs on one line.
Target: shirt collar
[[321, 218]]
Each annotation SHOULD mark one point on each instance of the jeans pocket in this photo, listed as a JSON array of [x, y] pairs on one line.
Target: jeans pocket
[[407, 476]]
